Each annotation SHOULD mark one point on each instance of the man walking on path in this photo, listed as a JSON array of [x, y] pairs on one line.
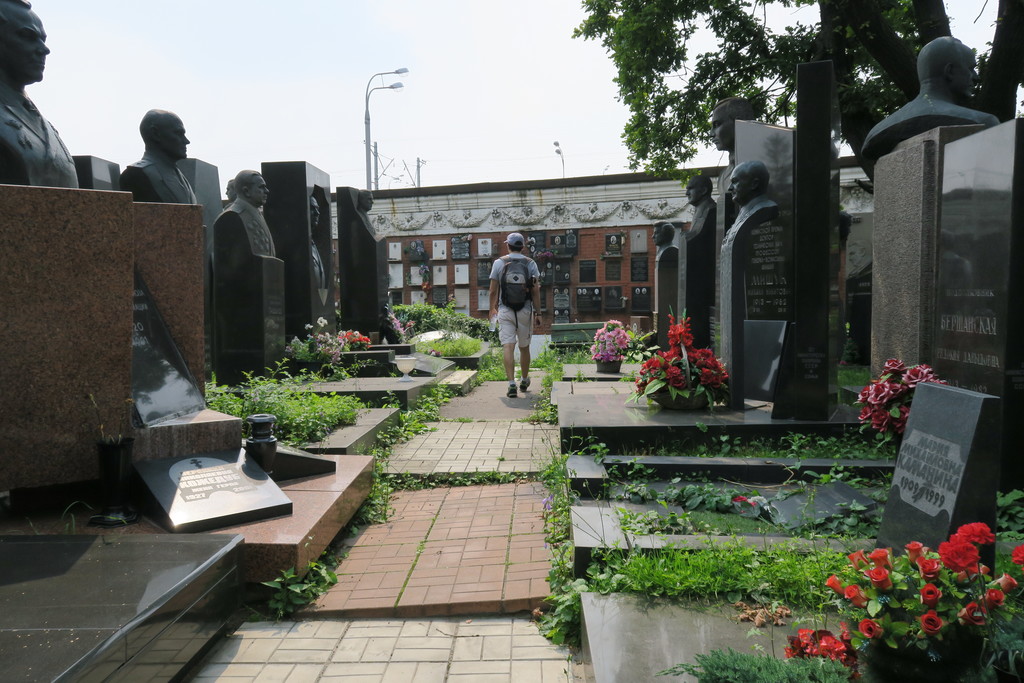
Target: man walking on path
[[515, 303]]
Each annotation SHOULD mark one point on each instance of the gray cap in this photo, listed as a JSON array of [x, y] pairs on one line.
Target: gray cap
[[515, 239]]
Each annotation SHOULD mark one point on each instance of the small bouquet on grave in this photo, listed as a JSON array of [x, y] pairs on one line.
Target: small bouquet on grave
[[682, 373], [886, 401], [609, 342], [925, 604], [808, 643], [319, 346], [354, 341], [400, 329]]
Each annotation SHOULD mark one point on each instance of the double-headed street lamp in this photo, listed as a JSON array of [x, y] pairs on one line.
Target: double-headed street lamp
[[370, 180], [561, 155]]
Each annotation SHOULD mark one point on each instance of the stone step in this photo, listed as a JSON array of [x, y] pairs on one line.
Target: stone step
[[360, 437], [588, 372], [460, 381]]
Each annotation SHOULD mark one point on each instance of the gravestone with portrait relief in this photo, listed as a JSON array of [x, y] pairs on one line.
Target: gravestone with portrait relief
[[979, 324], [439, 295], [588, 299], [302, 236], [561, 298], [483, 273], [947, 472], [613, 298], [638, 269], [572, 242], [641, 300], [362, 263], [460, 248]]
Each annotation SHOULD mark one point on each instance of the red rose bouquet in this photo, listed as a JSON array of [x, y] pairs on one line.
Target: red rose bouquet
[[886, 401], [683, 370], [924, 597]]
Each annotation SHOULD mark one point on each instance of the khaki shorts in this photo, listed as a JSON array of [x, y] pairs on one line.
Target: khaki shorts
[[509, 332]]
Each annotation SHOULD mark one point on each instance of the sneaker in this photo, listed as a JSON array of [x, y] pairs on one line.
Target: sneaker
[[512, 393], [524, 384]]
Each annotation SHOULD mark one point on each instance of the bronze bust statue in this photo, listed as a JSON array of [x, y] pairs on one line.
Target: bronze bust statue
[[749, 187], [698, 195], [156, 178], [946, 70], [31, 151], [723, 123], [252, 194]]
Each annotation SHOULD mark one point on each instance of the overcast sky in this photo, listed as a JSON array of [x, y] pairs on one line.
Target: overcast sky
[[491, 85]]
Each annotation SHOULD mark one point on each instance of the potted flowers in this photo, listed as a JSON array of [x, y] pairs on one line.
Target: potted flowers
[[609, 343], [886, 401], [682, 378], [924, 615], [323, 347]]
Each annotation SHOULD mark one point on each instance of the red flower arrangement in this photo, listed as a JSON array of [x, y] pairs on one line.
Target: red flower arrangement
[[810, 643], [683, 370], [886, 400], [923, 597]]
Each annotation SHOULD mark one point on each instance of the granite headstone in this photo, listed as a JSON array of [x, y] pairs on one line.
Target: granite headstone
[[613, 298], [362, 254], [588, 271], [460, 248], [561, 298], [979, 325], [638, 269], [947, 473], [97, 174], [641, 300], [588, 299]]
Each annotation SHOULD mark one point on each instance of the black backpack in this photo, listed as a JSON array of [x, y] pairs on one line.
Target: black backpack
[[515, 282]]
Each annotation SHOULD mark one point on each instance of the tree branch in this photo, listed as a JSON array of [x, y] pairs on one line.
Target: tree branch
[[1003, 68], [931, 19], [893, 54]]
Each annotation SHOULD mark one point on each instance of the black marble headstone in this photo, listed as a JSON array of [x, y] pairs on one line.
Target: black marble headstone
[[613, 298], [537, 240], [287, 212], [362, 266], [815, 352], [97, 174], [210, 490], [638, 270], [561, 298], [572, 242], [561, 316], [563, 273], [557, 245], [979, 324], [249, 304], [613, 243], [483, 273], [547, 273], [641, 297], [763, 345], [163, 388], [697, 250], [588, 299], [947, 473], [588, 271], [439, 295], [417, 251], [667, 285], [460, 248], [613, 270]]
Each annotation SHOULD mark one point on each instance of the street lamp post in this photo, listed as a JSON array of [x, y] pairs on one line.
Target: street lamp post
[[561, 155], [370, 180]]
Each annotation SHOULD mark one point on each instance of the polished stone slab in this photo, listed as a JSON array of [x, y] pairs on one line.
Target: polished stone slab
[[626, 426], [113, 607], [818, 503], [589, 372], [210, 490], [377, 391], [357, 438]]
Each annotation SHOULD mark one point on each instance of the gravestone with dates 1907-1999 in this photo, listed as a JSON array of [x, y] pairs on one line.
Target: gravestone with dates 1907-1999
[[979, 325], [947, 473]]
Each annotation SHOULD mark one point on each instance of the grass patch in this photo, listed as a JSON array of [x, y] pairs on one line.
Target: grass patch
[[450, 347]]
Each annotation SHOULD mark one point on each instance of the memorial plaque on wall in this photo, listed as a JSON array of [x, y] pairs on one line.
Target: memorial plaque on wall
[[641, 300], [439, 275], [394, 251], [638, 241], [536, 240], [415, 276], [417, 296], [557, 245], [417, 251], [588, 299], [768, 268], [461, 299], [395, 296], [613, 270], [439, 295], [588, 271], [572, 242], [613, 299], [461, 275], [483, 273], [544, 299], [561, 316], [395, 273], [547, 273], [561, 298], [483, 300], [483, 247], [439, 250], [460, 248], [562, 271], [638, 271], [613, 243]]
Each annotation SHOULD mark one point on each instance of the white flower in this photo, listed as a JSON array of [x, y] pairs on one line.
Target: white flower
[[321, 322]]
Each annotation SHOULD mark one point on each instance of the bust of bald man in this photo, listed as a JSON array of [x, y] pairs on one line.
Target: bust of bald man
[[156, 178], [31, 151], [946, 70]]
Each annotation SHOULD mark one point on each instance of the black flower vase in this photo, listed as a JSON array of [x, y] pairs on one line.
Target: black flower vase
[[115, 459], [261, 445]]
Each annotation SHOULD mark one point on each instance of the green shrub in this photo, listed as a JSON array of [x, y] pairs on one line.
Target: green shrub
[[729, 666], [427, 318], [302, 416], [451, 347]]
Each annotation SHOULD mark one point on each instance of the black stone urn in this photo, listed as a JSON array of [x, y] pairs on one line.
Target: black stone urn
[[115, 460], [261, 445]]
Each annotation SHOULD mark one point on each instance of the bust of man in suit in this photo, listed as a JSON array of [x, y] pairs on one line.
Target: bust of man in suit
[[252, 193], [748, 188], [31, 151], [946, 71], [156, 178]]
